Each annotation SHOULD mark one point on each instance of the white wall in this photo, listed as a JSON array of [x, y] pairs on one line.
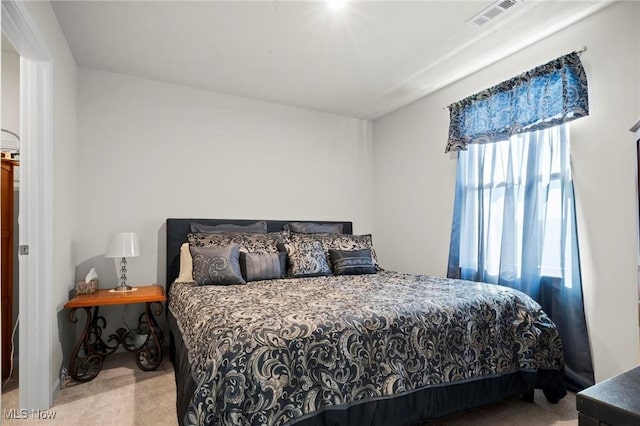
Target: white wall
[[415, 180], [64, 174], [151, 150]]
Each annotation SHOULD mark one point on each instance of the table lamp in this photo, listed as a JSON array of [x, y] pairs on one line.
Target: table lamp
[[123, 245]]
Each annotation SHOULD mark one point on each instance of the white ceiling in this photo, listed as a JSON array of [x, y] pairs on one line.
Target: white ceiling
[[363, 61]]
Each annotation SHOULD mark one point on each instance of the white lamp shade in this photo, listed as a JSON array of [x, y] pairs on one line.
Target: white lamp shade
[[123, 244]]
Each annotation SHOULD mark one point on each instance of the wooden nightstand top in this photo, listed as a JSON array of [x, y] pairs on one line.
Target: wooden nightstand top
[[144, 294]]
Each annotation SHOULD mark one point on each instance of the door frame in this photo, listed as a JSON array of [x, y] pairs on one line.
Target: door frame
[[36, 378]]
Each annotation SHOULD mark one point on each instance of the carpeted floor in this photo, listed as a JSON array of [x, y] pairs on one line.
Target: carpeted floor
[[123, 395]]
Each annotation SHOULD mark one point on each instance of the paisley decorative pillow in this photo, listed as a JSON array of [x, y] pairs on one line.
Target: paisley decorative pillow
[[249, 242], [340, 242], [307, 259], [216, 265]]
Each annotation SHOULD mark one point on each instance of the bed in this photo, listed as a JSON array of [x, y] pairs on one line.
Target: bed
[[383, 348]]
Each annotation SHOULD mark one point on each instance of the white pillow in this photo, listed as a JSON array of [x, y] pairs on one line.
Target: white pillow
[[186, 265]]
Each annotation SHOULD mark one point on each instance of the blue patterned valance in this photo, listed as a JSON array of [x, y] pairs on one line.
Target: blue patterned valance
[[543, 97]]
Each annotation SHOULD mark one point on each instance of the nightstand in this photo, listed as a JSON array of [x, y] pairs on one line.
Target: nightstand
[[91, 350]]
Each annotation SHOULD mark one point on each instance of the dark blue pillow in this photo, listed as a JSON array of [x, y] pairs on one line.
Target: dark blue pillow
[[352, 262], [257, 227], [315, 228]]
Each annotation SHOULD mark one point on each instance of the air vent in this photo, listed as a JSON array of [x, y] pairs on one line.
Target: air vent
[[492, 11]]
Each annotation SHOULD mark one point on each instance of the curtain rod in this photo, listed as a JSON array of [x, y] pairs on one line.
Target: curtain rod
[[579, 52]]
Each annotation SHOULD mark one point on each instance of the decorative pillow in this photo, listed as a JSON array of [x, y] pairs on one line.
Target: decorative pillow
[[263, 266], [352, 262], [186, 265], [217, 265], [248, 242], [258, 227], [307, 259], [340, 242], [315, 228]]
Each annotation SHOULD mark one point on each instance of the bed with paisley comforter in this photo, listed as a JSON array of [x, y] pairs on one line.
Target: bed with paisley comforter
[[386, 348]]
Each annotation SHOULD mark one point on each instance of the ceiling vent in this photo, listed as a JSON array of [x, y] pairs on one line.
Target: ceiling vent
[[490, 12]]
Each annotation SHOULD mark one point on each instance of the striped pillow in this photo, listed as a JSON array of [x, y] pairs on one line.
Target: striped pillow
[[263, 266]]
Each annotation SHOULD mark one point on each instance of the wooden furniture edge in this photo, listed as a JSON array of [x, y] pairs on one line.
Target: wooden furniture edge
[[103, 297]]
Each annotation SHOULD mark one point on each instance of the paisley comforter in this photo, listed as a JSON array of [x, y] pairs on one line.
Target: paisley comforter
[[274, 352]]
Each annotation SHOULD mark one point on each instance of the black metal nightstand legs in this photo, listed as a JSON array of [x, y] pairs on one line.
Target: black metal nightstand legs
[[90, 350], [149, 355]]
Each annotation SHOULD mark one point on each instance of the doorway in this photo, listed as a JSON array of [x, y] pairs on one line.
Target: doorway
[[10, 156], [35, 219]]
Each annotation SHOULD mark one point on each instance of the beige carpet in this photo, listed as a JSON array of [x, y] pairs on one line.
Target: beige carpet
[[123, 395]]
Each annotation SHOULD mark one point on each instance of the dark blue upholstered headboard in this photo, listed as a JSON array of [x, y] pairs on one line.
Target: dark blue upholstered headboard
[[177, 230]]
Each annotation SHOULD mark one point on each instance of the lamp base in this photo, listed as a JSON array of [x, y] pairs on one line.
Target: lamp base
[[123, 288], [118, 290]]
